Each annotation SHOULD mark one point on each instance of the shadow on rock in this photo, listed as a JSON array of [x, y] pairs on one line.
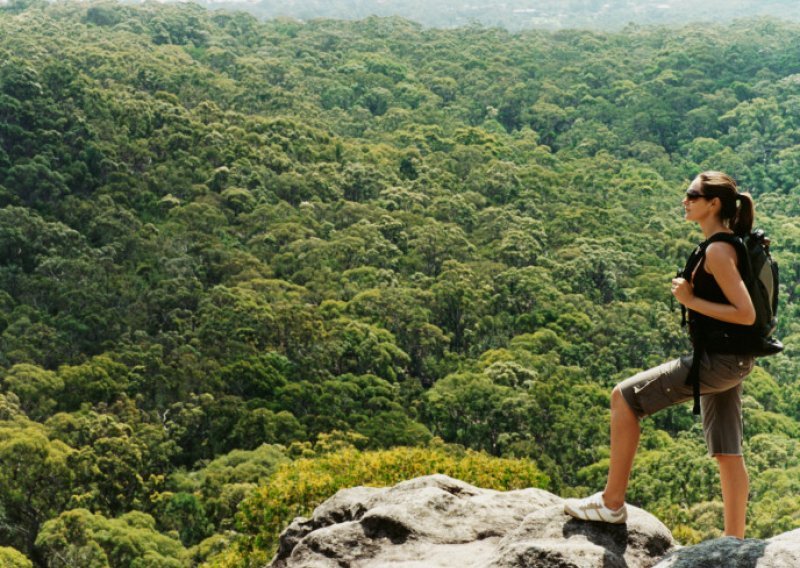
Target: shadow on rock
[[613, 538], [384, 526]]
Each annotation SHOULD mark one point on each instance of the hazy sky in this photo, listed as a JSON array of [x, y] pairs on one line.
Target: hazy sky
[[521, 14]]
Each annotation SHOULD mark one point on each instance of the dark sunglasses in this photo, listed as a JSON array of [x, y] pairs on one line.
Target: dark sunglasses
[[692, 194]]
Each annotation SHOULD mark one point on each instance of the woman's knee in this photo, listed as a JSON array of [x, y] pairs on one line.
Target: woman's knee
[[618, 402], [618, 399], [616, 396]]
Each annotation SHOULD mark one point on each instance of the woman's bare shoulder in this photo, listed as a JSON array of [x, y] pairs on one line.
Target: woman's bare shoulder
[[719, 253]]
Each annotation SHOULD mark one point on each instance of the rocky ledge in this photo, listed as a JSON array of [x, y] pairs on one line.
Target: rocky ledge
[[438, 521]]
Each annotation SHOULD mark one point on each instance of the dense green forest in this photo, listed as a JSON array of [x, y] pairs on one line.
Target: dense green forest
[[244, 264]]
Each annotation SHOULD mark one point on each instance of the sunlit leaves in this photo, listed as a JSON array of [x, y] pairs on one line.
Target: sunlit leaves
[[297, 487]]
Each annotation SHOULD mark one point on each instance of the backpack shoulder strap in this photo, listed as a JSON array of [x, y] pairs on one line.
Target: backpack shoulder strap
[[693, 259], [735, 240], [686, 274]]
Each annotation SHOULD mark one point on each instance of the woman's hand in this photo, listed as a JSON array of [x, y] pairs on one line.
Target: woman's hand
[[683, 290]]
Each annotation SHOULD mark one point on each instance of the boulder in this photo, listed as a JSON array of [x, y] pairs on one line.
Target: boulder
[[437, 521], [782, 551]]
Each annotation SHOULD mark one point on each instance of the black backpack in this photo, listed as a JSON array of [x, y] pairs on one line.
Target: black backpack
[[762, 283], [760, 274]]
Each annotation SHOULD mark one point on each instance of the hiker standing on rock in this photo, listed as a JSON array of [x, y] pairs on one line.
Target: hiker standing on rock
[[721, 312]]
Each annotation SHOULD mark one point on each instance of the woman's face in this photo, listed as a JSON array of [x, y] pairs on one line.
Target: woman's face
[[695, 205]]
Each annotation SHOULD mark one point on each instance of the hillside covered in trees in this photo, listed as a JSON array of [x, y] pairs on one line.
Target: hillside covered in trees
[[245, 264]]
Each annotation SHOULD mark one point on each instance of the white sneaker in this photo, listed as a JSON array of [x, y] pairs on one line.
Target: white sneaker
[[594, 509]]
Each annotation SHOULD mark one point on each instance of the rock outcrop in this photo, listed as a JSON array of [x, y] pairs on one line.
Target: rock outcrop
[[782, 551], [437, 521]]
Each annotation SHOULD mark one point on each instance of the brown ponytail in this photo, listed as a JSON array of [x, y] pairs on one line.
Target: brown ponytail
[[742, 223]]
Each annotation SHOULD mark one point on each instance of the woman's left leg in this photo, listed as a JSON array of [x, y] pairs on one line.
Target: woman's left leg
[[724, 430], [735, 492]]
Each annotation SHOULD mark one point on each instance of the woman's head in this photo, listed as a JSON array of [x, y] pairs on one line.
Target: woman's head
[[736, 210]]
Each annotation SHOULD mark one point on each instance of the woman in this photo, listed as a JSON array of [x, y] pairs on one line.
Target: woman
[[715, 292]]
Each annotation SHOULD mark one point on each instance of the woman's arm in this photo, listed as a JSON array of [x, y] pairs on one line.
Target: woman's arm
[[720, 263]]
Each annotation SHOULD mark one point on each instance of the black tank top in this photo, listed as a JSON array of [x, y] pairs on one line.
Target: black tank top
[[706, 287]]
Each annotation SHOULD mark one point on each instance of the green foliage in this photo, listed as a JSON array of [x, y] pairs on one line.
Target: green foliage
[[81, 538], [100, 380], [224, 482], [37, 390], [35, 480], [472, 410], [12, 558]]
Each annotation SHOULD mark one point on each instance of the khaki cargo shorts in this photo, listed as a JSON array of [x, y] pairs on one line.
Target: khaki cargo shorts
[[721, 377]]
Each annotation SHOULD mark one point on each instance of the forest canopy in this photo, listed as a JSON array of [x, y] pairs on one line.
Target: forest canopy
[[237, 256]]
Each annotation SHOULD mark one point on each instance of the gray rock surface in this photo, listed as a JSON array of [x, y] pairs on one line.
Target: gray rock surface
[[782, 551], [437, 521]]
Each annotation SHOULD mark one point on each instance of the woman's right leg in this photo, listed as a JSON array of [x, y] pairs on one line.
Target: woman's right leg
[[625, 433], [640, 395]]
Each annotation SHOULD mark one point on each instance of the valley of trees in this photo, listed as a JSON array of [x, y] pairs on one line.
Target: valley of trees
[[244, 264]]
